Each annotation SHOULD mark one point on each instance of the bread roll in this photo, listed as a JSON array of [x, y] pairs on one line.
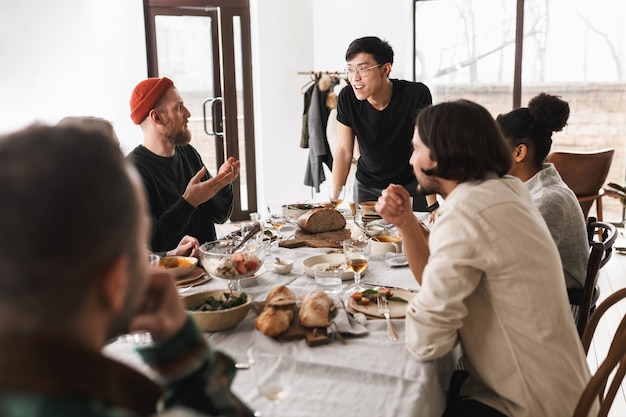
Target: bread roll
[[321, 220], [315, 309], [274, 321], [280, 294]]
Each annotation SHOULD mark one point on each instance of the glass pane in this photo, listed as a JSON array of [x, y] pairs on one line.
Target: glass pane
[[577, 49], [243, 189], [466, 48], [185, 54]]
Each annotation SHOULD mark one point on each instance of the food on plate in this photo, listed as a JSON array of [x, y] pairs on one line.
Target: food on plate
[[277, 313], [331, 266], [315, 309], [321, 220], [225, 302], [371, 295], [301, 206], [173, 262], [238, 265]]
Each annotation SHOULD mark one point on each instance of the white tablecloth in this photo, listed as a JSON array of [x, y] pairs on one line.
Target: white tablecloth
[[366, 376]]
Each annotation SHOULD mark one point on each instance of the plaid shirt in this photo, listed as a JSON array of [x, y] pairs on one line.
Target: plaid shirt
[[53, 378]]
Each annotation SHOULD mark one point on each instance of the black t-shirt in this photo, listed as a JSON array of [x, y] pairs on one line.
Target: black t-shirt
[[384, 137]]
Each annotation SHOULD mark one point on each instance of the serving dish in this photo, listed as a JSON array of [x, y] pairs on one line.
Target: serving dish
[[328, 261], [178, 265], [213, 321]]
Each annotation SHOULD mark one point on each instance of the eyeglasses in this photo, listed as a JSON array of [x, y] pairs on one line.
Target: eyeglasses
[[362, 71]]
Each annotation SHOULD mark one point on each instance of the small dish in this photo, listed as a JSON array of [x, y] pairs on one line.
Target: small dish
[[283, 267], [178, 265]]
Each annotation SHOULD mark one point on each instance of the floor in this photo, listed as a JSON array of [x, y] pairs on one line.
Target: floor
[[612, 277]]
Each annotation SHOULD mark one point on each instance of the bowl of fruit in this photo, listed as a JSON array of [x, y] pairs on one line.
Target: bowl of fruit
[[222, 259]]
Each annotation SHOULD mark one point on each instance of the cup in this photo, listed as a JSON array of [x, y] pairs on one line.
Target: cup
[[329, 281], [380, 245]]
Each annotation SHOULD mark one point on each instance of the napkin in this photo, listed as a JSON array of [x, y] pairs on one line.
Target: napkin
[[395, 259], [344, 324]]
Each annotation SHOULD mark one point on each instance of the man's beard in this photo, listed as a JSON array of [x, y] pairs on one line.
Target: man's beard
[[178, 136], [427, 186]]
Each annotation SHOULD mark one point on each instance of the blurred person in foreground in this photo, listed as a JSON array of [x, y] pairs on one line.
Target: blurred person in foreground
[[74, 276], [188, 245], [183, 197], [528, 131], [378, 112], [490, 274]]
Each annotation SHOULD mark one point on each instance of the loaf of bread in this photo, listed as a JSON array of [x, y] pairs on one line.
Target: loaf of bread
[[321, 220], [315, 309], [280, 295], [275, 320]]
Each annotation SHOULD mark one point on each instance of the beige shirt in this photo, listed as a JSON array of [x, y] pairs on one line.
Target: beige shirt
[[494, 281]]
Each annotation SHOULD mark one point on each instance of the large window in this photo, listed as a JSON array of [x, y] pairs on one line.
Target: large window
[[572, 48]]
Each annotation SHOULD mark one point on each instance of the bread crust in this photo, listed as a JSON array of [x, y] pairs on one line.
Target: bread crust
[[321, 219]]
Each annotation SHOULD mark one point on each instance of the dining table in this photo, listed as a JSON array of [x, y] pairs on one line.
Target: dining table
[[362, 373]]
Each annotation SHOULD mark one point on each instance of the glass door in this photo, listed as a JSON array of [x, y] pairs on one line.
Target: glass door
[[205, 50]]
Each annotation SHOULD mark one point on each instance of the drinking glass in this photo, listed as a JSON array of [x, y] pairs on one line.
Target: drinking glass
[[273, 369], [141, 337], [277, 218], [336, 195], [357, 254]]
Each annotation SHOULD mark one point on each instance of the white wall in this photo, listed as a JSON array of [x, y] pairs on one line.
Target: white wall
[[77, 57], [84, 57]]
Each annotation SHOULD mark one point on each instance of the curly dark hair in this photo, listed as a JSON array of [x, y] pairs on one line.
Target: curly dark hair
[[533, 125]]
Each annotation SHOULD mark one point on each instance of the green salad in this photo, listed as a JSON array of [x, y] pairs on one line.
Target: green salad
[[228, 301]]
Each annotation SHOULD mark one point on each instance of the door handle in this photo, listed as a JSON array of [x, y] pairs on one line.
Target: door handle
[[216, 116]]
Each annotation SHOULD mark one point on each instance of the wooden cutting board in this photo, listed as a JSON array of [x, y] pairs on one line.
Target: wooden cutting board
[[316, 240], [314, 336]]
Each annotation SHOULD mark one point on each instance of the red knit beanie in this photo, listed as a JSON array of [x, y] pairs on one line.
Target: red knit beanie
[[145, 95]]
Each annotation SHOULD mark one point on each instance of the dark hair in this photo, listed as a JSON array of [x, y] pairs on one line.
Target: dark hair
[[379, 49], [68, 209], [464, 141], [533, 125]]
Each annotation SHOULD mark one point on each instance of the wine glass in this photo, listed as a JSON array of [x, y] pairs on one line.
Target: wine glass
[[357, 254], [277, 218], [336, 195], [273, 369]]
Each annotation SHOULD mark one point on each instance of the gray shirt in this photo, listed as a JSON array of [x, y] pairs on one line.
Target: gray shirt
[[560, 209]]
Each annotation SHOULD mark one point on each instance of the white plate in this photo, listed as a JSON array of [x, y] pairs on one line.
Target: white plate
[[397, 309], [258, 273], [333, 258]]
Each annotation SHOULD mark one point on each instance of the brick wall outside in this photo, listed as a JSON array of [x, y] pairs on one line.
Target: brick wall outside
[[597, 120]]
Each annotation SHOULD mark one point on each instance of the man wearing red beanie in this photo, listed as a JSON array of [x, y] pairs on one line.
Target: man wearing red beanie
[[184, 198]]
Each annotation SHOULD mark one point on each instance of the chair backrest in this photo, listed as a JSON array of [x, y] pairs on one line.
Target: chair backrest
[[599, 254], [616, 357], [583, 172]]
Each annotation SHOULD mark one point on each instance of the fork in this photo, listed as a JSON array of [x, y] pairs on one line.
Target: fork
[[383, 308]]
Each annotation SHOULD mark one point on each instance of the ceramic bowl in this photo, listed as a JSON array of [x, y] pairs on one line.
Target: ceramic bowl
[[215, 321], [284, 267], [178, 265]]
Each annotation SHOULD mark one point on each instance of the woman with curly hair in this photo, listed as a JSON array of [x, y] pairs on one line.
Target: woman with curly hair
[[529, 132]]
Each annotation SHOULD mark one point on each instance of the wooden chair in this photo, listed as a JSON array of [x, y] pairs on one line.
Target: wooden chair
[[615, 361], [600, 251], [585, 173]]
